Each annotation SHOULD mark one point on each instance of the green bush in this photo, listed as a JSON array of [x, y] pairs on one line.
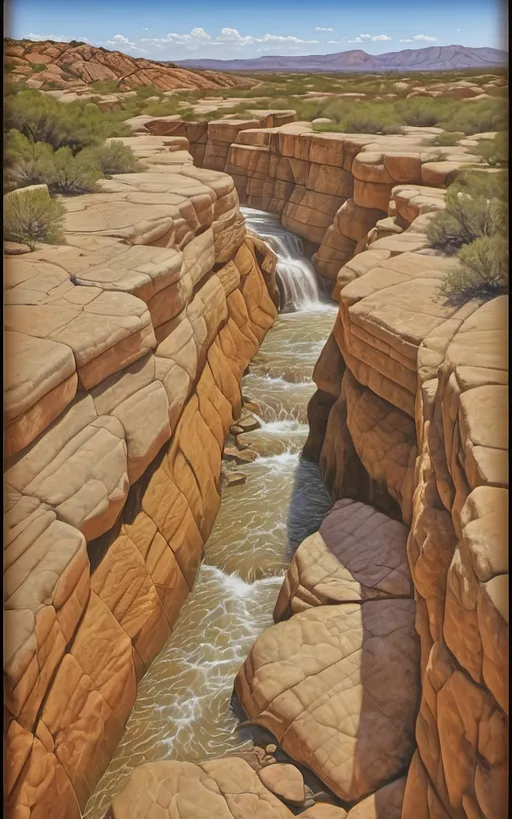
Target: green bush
[[37, 67], [41, 118], [29, 163], [482, 271], [447, 138], [32, 216], [475, 207], [115, 157], [145, 91], [494, 152], [25, 162], [75, 174], [105, 86]]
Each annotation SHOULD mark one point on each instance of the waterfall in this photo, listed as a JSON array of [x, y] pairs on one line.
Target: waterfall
[[296, 277]]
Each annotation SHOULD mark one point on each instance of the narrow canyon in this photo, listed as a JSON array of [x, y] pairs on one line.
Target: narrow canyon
[[256, 490]]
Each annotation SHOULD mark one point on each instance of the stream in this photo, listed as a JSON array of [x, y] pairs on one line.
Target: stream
[[183, 708]]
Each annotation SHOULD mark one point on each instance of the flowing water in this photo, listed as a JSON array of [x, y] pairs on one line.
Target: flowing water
[[183, 706]]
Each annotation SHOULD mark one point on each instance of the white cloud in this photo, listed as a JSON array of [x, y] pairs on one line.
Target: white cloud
[[200, 33], [145, 29], [425, 38], [407, 40], [59, 38], [232, 35], [374, 38], [320, 28], [120, 39], [337, 42]]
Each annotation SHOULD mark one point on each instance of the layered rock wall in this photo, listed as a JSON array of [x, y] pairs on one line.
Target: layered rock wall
[[413, 394], [124, 353], [329, 188]]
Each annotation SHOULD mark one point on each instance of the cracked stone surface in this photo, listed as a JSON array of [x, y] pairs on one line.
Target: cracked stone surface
[[226, 788], [338, 687], [357, 554]]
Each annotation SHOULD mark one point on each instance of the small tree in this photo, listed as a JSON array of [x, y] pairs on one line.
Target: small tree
[[32, 216]]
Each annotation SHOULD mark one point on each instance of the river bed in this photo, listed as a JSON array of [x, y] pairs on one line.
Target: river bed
[[183, 706]]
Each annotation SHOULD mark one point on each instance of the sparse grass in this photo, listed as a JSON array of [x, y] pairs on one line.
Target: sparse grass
[[32, 216]]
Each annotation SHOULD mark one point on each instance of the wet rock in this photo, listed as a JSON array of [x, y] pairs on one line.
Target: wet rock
[[285, 781], [235, 479], [239, 456], [248, 423]]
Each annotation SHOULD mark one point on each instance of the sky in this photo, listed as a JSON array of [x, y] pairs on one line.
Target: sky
[[230, 29]]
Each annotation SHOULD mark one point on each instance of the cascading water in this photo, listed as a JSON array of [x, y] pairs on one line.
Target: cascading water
[[296, 278], [183, 706]]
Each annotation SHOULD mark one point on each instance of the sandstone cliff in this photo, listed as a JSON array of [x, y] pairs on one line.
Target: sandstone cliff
[[409, 425], [124, 353]]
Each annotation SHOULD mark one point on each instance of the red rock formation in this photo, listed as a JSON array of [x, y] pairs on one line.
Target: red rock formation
[[78, 65]]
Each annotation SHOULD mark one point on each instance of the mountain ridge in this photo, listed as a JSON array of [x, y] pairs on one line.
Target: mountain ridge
[[430, 58]]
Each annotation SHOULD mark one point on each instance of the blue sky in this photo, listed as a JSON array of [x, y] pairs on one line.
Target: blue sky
[[226, 29]]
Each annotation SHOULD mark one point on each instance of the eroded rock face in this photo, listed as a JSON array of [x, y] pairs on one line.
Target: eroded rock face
[[421, 408], [126, 348]]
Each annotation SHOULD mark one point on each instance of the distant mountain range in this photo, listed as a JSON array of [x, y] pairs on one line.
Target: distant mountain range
[[433, 58]]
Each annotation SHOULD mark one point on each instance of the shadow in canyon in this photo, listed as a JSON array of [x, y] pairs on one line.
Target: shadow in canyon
[[309, 504]]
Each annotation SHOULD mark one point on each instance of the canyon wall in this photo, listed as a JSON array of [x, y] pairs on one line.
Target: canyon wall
[[329, 188], [124, 353], [409, 426]]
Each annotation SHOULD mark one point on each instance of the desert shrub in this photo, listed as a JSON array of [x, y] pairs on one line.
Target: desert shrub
[[115, 157], [474, 117], [32, 163], [482, 271], [447, 138], [105, 86], [145, 91], [475, 207], [37, 67], [474, 225], [165, 108], [32, 216], [75, 174], [26, 162], [41, 118], [494, 152]]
